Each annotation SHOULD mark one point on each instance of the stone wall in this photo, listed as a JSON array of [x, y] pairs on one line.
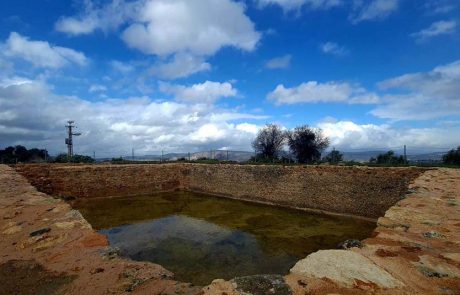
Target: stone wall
[[360, 191], [91, 181]]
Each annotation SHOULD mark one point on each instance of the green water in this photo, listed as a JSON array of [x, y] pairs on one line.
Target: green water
[[200, 238]]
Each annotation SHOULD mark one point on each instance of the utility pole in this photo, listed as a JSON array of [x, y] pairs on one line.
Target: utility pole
[[69, 141], [132, 154], [405, 155], [94, 155], [161, 156]]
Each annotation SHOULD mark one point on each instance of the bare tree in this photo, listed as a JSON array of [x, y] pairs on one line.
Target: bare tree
[[269, 142], [307, 143]]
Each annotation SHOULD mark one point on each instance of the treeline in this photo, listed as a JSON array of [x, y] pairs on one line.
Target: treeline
[[306, 145], [452, 157], [20, 154]]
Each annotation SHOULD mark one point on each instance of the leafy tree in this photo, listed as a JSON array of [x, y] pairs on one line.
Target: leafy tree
[[388, 158], [82, 159], [307, 143], [269, 142], [21, 154], [452, 157], [62, 158], [334, 157], [117, 160]]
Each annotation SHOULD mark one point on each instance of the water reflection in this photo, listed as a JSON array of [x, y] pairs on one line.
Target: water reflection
[[201, 238], [195, 249]]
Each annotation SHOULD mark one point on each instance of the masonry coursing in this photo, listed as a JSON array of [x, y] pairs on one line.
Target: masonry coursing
[[359, 191]]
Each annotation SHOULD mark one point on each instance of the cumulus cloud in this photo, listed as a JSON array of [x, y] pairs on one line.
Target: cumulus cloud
[[113, 126], [207, 92], [164, 27], [41, 53], [329, 92], [199, 27], [282, 62], [289, 5], [182, 32], [425, 95], [333, 48], [368, 10], [436, 29], [348, 135], [179, 66]]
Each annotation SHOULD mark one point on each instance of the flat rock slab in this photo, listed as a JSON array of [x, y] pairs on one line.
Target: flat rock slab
[[345, 267]]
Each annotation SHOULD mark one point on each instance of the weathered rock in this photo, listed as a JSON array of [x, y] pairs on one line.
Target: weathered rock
[[65, 225], [219, 286], [350, 244], [262, 285], [110, 253], [346, 268], [433, 234], [40, 232], [12, 230], [435, 267]]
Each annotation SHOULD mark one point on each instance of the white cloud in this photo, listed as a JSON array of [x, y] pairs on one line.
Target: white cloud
[[289, 5], [179, 66], [199, 27], [107, 18], [333, 48], [164, 27], [75, 26], [41, 53], [282, 62], [121, 67], [436, 29], [182, 33], [348, 135], [330, 92], [207, 92], [439, 6], [424, 95], [373, 10], [113, 126], [97, 88]]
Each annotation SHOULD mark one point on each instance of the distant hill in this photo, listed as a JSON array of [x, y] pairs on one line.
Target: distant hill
[[242, 156], [364, 156]]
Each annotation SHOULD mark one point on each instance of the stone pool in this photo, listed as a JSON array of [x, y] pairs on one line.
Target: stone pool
[[200, 238]]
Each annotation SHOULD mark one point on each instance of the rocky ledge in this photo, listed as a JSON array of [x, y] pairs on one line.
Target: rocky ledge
[[48, 248]]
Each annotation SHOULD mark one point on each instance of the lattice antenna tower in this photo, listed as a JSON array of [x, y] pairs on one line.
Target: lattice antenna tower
[[69, 140]]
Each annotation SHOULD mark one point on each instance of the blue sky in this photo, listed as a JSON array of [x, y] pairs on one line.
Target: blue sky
[[193, 75]]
